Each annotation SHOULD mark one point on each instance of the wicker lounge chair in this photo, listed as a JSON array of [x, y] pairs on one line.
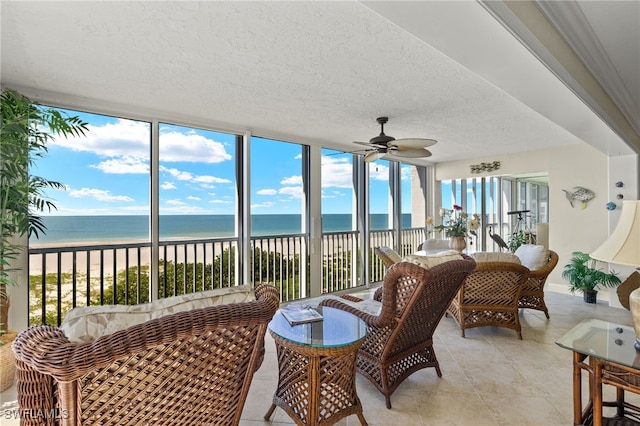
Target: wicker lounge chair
[[400, 339], [532, 295], [388, 255], [188, 368], [489, 297]]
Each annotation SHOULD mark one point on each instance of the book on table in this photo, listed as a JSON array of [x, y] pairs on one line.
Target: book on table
[[300, 314]]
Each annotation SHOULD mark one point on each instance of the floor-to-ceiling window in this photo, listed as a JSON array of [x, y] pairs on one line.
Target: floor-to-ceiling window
[[279, 209], [106, 201], [340, 222], [197, 206]]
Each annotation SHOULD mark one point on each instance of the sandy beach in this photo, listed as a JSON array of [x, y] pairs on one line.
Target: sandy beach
[[89, 258]]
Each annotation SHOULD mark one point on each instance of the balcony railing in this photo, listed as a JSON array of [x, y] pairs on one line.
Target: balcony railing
[[61, 278]]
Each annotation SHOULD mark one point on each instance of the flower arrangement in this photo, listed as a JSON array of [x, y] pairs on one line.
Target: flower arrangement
[[457, 223]]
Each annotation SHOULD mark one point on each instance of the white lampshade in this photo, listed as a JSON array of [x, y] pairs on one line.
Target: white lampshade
[[623, 246]]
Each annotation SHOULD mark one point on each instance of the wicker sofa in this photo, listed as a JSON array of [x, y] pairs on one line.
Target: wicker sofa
[[410, 304], [187, 365]]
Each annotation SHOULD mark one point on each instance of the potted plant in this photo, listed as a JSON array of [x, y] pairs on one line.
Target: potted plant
[[25, 130], [582, 274], [517, 239]]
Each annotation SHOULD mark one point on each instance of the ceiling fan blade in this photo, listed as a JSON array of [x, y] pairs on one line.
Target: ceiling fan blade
[[411, 153], [370, 145], [373, 156], [413, 143]]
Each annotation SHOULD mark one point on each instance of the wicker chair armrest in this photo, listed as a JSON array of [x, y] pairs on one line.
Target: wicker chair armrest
[[48, 351], [372, 320], [352, 298]]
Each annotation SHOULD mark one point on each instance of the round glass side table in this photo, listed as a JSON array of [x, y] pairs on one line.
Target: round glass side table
[[317, 366]]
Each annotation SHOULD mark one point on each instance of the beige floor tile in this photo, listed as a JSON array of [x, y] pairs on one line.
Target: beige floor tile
[[524, 410], [489, 378], [445, 409]]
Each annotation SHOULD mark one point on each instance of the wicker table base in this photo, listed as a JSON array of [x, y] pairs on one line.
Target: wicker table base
[[316, 386]]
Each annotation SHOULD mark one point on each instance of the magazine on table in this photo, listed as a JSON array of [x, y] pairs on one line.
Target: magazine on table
[[300, 314]]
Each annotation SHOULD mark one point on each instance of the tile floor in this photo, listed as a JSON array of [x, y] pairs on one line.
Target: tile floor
[[489, 378]]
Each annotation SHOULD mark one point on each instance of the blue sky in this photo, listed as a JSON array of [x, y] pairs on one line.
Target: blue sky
[[106, 172]]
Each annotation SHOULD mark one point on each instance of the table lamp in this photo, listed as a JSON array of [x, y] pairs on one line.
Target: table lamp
[[623, 248]]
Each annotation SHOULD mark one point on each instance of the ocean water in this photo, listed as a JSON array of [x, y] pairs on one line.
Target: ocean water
[[68, 229]]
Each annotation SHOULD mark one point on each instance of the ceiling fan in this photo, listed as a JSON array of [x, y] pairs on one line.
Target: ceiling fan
[[382, 145]]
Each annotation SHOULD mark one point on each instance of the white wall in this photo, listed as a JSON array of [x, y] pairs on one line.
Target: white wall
[[570, 229]]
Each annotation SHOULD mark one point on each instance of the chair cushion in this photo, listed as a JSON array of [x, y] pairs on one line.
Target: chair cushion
[[432, 260], [485, 256], [532, 256], [87, 323]]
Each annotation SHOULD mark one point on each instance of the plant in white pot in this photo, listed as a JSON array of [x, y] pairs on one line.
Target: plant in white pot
[[582, 274], [25, 130]]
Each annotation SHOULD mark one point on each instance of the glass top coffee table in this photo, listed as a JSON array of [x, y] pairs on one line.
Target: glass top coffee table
[[316, 367], [612, 360]]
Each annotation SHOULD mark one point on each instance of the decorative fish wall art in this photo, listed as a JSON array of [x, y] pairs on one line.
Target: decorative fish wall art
[[578, 193]]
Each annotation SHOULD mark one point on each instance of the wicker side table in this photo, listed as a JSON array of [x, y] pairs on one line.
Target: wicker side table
[[317, 365]]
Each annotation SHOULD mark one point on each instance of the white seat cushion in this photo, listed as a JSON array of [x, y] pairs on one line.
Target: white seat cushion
[[484, 256], [432, 260], [87, 323]]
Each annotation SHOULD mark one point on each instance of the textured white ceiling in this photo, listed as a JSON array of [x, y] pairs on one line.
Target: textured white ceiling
[[312, 72]]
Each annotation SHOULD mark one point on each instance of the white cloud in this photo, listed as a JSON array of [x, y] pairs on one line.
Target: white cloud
[[112, 139], [168, 185], [192, 198], [263, 205], [192, 147], [267, 192], [134, 139], [176, 203], [178, 174], [336, 172], [123, 165], [220, 202], [292, 180], [332, 194], [98, 194], [205, 181], [292, 191], [210, 179]]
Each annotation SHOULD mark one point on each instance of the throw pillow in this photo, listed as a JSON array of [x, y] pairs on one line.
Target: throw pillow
[[532, 256]]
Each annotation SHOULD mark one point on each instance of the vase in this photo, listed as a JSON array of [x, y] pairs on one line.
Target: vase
[[7, 360], [457, 243]]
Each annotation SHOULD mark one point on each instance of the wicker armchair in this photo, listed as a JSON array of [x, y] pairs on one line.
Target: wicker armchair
[[388, 255], [188, 368], [400, 339], [489, 297], [532, 295]]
